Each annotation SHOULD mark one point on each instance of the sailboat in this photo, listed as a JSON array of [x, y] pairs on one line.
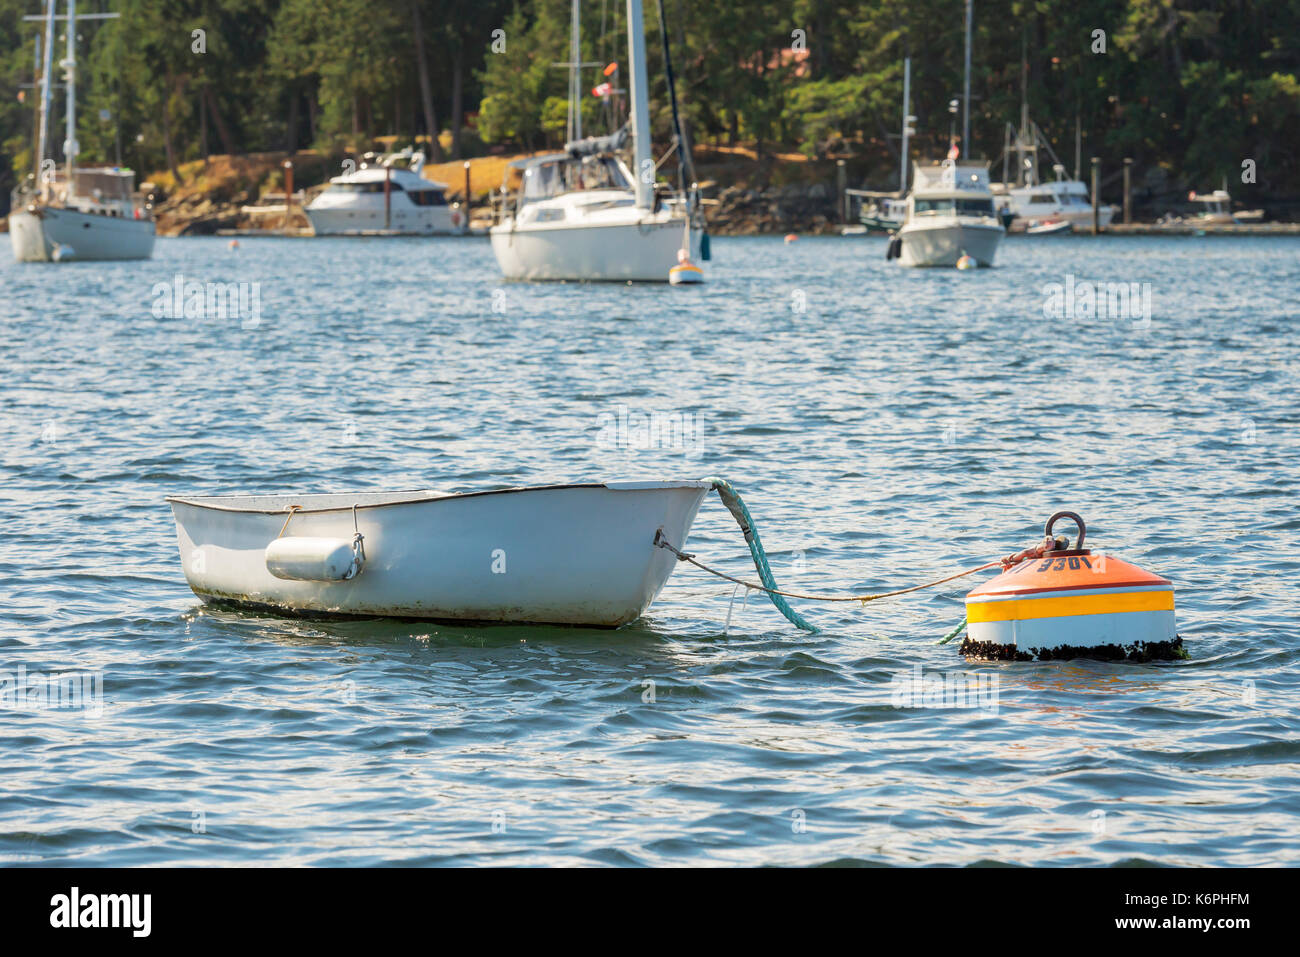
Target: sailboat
[[78, 213], [583, 214]]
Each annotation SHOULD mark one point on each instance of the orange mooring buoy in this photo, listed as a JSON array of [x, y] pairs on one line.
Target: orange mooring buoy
[[1070, 603]]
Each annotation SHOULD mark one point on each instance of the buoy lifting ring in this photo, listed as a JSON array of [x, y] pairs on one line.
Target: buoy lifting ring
[[1062, 543]]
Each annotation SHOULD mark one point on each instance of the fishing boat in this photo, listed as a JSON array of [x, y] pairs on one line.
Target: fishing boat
[[582, 214], [1216, 210], [879, 212], [76, 213], [1062, 200], [582, 554], [386, 194], [1027, 197], [949, 215]]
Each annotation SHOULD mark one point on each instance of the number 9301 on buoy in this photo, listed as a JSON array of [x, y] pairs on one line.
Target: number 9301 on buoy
[[1056, 602]]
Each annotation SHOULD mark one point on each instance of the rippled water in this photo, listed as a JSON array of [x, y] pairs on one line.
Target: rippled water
[[886, 426]]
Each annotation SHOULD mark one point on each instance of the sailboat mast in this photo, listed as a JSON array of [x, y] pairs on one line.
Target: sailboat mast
[[1078, 148], [70, 148], [575, 97], [44, 139], [643, 164], [907, 99], [1022, 174], [965, 110]]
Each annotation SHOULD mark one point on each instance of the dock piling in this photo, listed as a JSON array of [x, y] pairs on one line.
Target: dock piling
[[1128, 190], [1096, 181]]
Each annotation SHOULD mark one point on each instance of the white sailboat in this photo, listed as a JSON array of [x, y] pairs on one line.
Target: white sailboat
[[79, 213], [583, 214]]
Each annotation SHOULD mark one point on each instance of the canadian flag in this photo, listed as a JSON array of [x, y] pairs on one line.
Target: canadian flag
[[605, 89]]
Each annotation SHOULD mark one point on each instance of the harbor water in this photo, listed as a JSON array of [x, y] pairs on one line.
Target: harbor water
[[886, 426]]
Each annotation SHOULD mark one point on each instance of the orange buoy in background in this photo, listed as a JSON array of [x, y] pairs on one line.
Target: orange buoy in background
[[1070, 603], [791, 237]]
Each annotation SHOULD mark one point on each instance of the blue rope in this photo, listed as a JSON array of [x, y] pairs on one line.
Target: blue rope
[[731, 498]]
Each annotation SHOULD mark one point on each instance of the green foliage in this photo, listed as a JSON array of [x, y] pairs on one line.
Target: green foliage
[[1194, 86]]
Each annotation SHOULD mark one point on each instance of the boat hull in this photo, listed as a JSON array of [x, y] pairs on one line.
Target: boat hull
[[406, 220], [53, 234], [1049, 229], [1078, 219], [623, 252], [570, 555], [942, 244]]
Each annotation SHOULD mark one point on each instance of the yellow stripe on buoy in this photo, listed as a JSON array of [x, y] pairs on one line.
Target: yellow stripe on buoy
[[1022, 609]]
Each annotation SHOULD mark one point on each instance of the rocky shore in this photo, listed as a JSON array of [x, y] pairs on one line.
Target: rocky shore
[[796, 208]]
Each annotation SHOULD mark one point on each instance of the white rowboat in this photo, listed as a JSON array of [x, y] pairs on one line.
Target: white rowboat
[[559, 554]]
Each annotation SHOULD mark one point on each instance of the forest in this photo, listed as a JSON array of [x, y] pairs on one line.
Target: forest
[[1190, 87]]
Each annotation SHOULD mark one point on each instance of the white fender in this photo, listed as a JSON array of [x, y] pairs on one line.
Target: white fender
[[315, 559]]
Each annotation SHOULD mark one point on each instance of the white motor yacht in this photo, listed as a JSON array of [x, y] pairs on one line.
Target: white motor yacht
[[385, 195], [949, 215]]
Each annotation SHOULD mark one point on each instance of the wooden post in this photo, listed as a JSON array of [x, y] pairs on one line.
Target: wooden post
[[1128, 190], [288, 192], [388, 197], [1096, 181], [467, 195], [842, 184]]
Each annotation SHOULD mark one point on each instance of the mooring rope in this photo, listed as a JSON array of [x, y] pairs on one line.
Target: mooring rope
[[736, 506], [731, 498], [952, 634]]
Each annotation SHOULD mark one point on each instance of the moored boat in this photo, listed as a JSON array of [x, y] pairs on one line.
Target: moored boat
[[76, 213], [386, 194], [1051, 227], [949, 215], [584, 214], [562, 554]]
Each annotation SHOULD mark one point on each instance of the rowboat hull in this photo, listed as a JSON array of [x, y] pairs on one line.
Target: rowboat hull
[[570, 554]]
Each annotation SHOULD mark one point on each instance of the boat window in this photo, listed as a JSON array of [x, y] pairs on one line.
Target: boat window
[[934, 205], [601, 172], [591, 172], [364, 187], [550, 215], [975, 207], [542, 181], [1042, 198], [427, 197]]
